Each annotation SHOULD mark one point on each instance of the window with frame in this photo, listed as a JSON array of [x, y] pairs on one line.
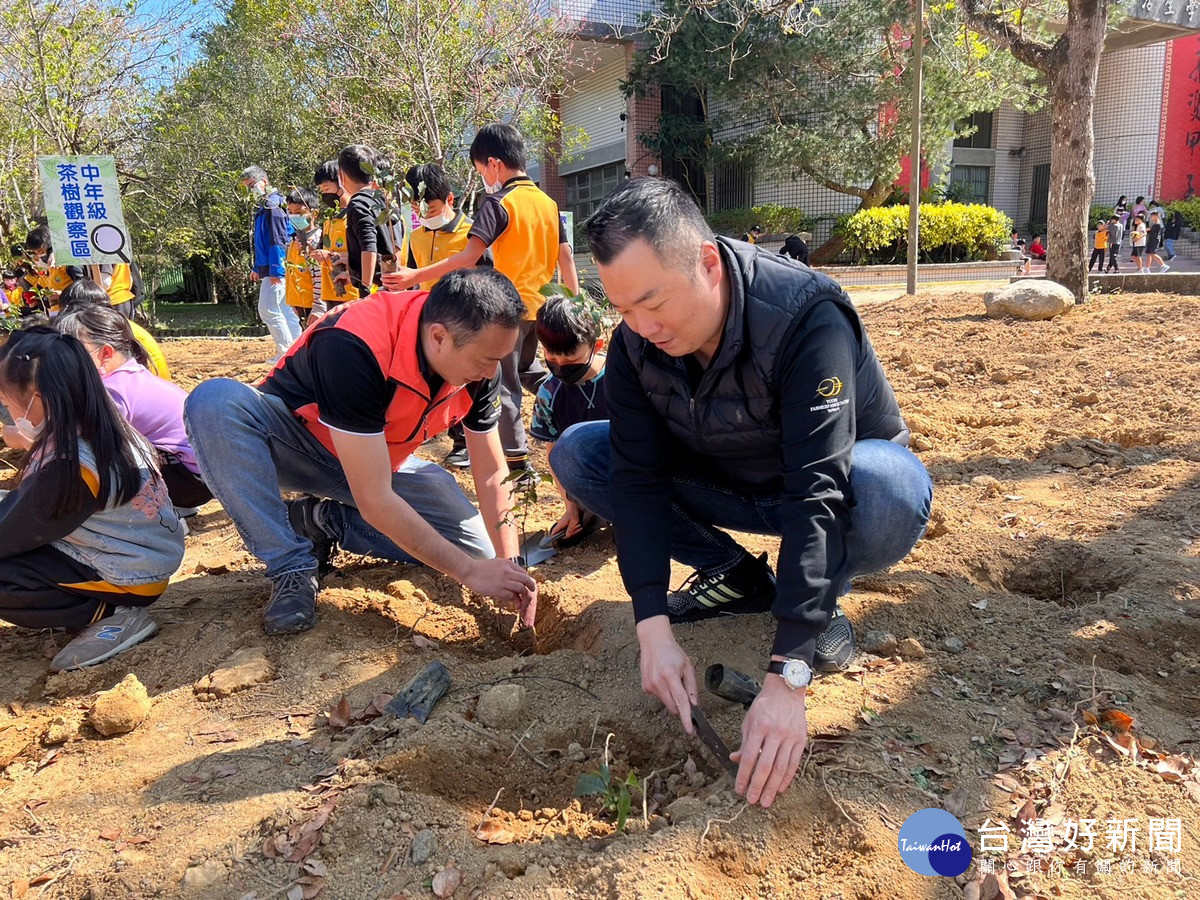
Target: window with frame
[[981, 138], [974, 183], [586, 189]]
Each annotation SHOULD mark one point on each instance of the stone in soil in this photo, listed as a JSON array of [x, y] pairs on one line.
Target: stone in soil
[[244, 669], [501, 706], [880, 643], [121, 709], [424, 844], [910, 648]]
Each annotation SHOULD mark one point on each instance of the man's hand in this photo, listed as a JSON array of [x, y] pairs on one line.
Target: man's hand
[[568, 525], [667, 673], [254, 276], [402, 279], [275, 279], [503, 580], [774, 735]]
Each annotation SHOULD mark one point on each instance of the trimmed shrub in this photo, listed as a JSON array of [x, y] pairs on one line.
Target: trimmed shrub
[[773, 219], [950, 232], [1097, 215]]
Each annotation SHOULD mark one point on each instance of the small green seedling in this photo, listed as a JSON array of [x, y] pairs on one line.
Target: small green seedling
[[615, 796]]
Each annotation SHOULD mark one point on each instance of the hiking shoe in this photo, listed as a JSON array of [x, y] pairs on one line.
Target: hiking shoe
[[127, 626], [293, 604], [835, 646], [746, 587], [458, 457], [302, 516]]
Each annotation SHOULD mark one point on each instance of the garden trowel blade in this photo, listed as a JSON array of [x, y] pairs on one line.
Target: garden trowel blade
[[709, 737], [533, 553]]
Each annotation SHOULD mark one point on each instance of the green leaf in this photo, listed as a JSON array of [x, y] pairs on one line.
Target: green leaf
[[589, 784], [369, 168], [624, 802], [606, 774]]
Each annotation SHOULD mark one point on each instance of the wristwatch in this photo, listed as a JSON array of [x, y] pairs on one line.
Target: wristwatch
[[796, 672]]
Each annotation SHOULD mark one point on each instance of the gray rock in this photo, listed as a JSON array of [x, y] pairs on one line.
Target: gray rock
[[685, 809], [1029, 299], [501, 706], [953, 645], [910, 648], [424, 845], [881, 643]]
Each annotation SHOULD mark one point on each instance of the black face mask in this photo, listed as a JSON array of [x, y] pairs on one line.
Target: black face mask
[[572, 373], [329, 199]]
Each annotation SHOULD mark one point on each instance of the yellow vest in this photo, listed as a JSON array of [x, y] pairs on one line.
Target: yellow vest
[[428, 247], [298, 281], [158, 362], [335, 240], [120, 289], [527, 250], [15, 297]]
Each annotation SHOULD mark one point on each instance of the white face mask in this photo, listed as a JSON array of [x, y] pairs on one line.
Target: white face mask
[[258, 189], [27, 429], [492, 188], [435, 222]]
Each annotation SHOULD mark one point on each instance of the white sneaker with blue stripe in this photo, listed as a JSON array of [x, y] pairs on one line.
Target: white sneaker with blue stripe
[[127, 626]]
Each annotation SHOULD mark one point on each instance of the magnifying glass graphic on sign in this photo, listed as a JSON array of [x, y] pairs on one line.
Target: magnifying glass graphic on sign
[[110, 239]]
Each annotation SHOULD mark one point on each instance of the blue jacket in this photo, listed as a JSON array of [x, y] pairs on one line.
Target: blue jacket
[[270, 236]]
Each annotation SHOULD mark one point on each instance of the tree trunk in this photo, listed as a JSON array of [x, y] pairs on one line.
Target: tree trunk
[[835, 244], [1072, 182]]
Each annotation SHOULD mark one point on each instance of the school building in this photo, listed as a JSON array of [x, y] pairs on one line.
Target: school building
[[1147, 126]]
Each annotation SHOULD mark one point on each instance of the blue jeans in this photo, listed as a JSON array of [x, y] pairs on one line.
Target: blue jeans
[[1169, 243], [892, 492], [250, 447], [279, 318]]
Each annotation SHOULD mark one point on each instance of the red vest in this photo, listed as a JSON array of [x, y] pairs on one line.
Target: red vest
[[389, 323]]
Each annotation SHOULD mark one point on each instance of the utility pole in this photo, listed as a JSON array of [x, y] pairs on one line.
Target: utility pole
[[914, 186]]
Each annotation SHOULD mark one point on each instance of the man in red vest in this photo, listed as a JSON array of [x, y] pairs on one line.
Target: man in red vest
[[338, 418]]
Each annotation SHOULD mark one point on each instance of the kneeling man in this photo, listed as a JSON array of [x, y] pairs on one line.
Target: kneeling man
[[337, 419], [743, 393]]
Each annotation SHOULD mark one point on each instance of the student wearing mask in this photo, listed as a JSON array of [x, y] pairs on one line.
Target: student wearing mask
[[48, 279], [443, 232], [303, 282], [368, 241], [335, 288], [270, 234]]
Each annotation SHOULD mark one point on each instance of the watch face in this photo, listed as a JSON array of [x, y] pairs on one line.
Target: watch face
[[796, 673]]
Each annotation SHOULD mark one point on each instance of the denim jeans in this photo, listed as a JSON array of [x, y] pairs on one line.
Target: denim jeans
[[519, 371], [892, 492], [279, 318], [250, 447], [1169, 243]]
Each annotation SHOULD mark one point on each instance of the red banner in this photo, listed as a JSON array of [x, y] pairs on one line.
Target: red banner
[[1178, 174]]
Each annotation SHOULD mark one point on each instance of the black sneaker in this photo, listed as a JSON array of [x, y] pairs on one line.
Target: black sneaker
[[747, 587], [458, 457], [293, 604], [835, 646], [302, 516]]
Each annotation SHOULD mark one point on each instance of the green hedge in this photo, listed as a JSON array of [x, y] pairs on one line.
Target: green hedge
[[773, 219], [1097, 215], [950, 232], [1189, 209]]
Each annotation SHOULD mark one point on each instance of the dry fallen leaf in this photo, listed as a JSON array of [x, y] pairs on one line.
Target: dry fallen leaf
[[1173, 768], [423, 643], [340, 714], [446, 882], [1025, 817], [1116, 719], [316, 867], [492, 831], [110, 834], [226, 771], [1090, 717]]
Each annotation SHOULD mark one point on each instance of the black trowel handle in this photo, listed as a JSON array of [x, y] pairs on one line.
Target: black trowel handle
[[730, 684]]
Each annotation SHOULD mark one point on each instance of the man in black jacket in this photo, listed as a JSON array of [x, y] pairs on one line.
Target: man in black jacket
[[744, 394]]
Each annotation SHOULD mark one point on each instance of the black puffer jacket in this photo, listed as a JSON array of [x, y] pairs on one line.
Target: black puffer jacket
[[794, 384]]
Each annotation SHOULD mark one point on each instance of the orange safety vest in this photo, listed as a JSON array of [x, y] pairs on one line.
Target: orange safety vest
[[389, 323], [527, 250], [120, 289]]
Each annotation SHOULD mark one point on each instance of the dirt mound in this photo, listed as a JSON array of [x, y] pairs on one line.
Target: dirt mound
[[1060, 576]]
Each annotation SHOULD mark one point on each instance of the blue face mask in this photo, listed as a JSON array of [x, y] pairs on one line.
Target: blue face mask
[[300, 223]]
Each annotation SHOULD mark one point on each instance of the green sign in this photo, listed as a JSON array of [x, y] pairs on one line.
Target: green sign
[[83, 210]]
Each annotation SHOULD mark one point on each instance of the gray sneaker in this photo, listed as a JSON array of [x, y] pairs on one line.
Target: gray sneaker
[[127, 626]]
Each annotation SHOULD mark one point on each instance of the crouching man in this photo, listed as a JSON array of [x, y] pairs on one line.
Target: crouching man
[[743, 393], [337, 419]]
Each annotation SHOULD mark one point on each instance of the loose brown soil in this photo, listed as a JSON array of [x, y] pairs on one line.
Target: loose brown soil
[[1064, 554]]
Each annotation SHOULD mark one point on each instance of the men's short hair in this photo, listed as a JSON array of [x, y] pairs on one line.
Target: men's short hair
[[437, 185], [563, 326], [303, 196], [501, 141], [469, 300], [655, 210], [254, 174], [326, 171], [38, 239], [354, 160]]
